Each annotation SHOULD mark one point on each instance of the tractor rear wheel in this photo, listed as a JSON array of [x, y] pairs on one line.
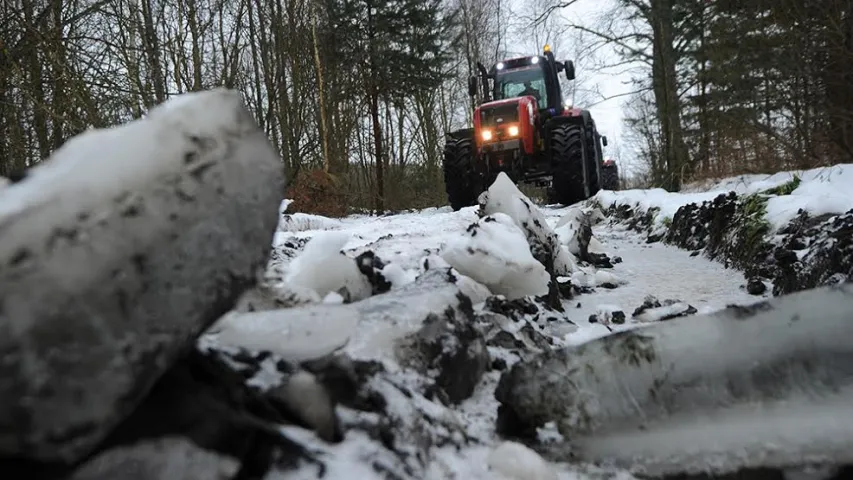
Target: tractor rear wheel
[[461, 181], [567, 182], [609, 177]]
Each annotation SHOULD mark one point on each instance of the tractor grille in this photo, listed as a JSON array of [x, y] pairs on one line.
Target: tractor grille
[[501, 114]]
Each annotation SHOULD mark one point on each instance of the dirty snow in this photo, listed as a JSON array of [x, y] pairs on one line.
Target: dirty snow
[[411, 243], [824, 190], [128, 146]]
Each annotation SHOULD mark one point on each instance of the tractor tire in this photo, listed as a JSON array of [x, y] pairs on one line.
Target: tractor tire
[[567, 181], [461, 181], [609, 178]]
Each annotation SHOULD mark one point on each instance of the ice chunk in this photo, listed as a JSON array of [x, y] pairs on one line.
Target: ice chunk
[[495, 253]]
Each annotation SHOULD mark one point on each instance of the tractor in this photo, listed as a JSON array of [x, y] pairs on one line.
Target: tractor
[[522, 127]]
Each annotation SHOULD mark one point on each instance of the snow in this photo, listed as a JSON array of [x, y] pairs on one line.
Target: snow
[[495, 252], [492, 251], [432, 240], [667, 202], [821, 191], [322, 268], [825, 190], [503, 196], [126, 147], [312, 334], [570, 224], [657, 269], [299, 222], [514, 461]]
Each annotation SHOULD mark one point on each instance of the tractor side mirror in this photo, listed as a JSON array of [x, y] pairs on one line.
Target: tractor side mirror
[[472, 85], [570, 70], [604, 140]]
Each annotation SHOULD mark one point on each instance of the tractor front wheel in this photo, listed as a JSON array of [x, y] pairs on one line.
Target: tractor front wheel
[[567, 181], [461, 181]]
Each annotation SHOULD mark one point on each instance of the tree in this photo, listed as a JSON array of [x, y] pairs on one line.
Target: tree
[[401, 47]]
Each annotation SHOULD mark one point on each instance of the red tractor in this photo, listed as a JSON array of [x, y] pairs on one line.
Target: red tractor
[[522, 128]]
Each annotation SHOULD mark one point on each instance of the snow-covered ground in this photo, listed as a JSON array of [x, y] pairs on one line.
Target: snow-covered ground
[[405, 241], [409, 242], [824, 190], [498, 250]]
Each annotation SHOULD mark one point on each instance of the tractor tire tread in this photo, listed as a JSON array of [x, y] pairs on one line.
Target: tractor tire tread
[[460, 179], [567, 183]]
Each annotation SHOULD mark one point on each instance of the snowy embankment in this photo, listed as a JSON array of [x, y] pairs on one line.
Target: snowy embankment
[[148, 324], [793, 230]]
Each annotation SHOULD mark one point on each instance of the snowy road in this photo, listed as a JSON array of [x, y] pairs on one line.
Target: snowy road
[[654, 269]]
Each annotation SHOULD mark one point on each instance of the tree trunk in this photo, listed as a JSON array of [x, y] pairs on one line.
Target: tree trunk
[[838, 78], [665, 86], [379, 195], [373, 100], [36, 80], [192, 21], [61, 108], [324, 135]]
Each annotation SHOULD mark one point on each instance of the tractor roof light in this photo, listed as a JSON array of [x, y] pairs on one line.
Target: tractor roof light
[[500, 66], [534, 60]]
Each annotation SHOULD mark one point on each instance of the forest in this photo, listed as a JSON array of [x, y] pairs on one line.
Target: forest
[[357, 95]]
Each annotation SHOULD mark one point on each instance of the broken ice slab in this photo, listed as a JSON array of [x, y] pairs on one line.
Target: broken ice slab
[[763, 386], [367, 328]]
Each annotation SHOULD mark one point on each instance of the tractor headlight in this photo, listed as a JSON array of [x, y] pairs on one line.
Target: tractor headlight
[[487, 135], [513, 131]]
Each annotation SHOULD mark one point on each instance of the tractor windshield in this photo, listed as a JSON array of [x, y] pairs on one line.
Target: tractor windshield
[[520, 82]]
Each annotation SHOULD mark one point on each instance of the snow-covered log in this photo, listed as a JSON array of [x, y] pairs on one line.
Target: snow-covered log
[[760, 386], [115, 254], [368, 329]]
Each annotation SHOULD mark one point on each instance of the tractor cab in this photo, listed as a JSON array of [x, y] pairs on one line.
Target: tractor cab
[[536, 76]]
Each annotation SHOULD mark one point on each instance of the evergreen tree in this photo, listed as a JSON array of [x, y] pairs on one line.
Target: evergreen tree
[[400, 47]]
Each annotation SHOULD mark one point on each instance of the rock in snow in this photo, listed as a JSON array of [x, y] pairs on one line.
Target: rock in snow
[[116, 253], [451, 346], [746, 387]]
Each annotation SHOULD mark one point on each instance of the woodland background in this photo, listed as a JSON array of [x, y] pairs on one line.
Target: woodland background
[[358, 94]]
